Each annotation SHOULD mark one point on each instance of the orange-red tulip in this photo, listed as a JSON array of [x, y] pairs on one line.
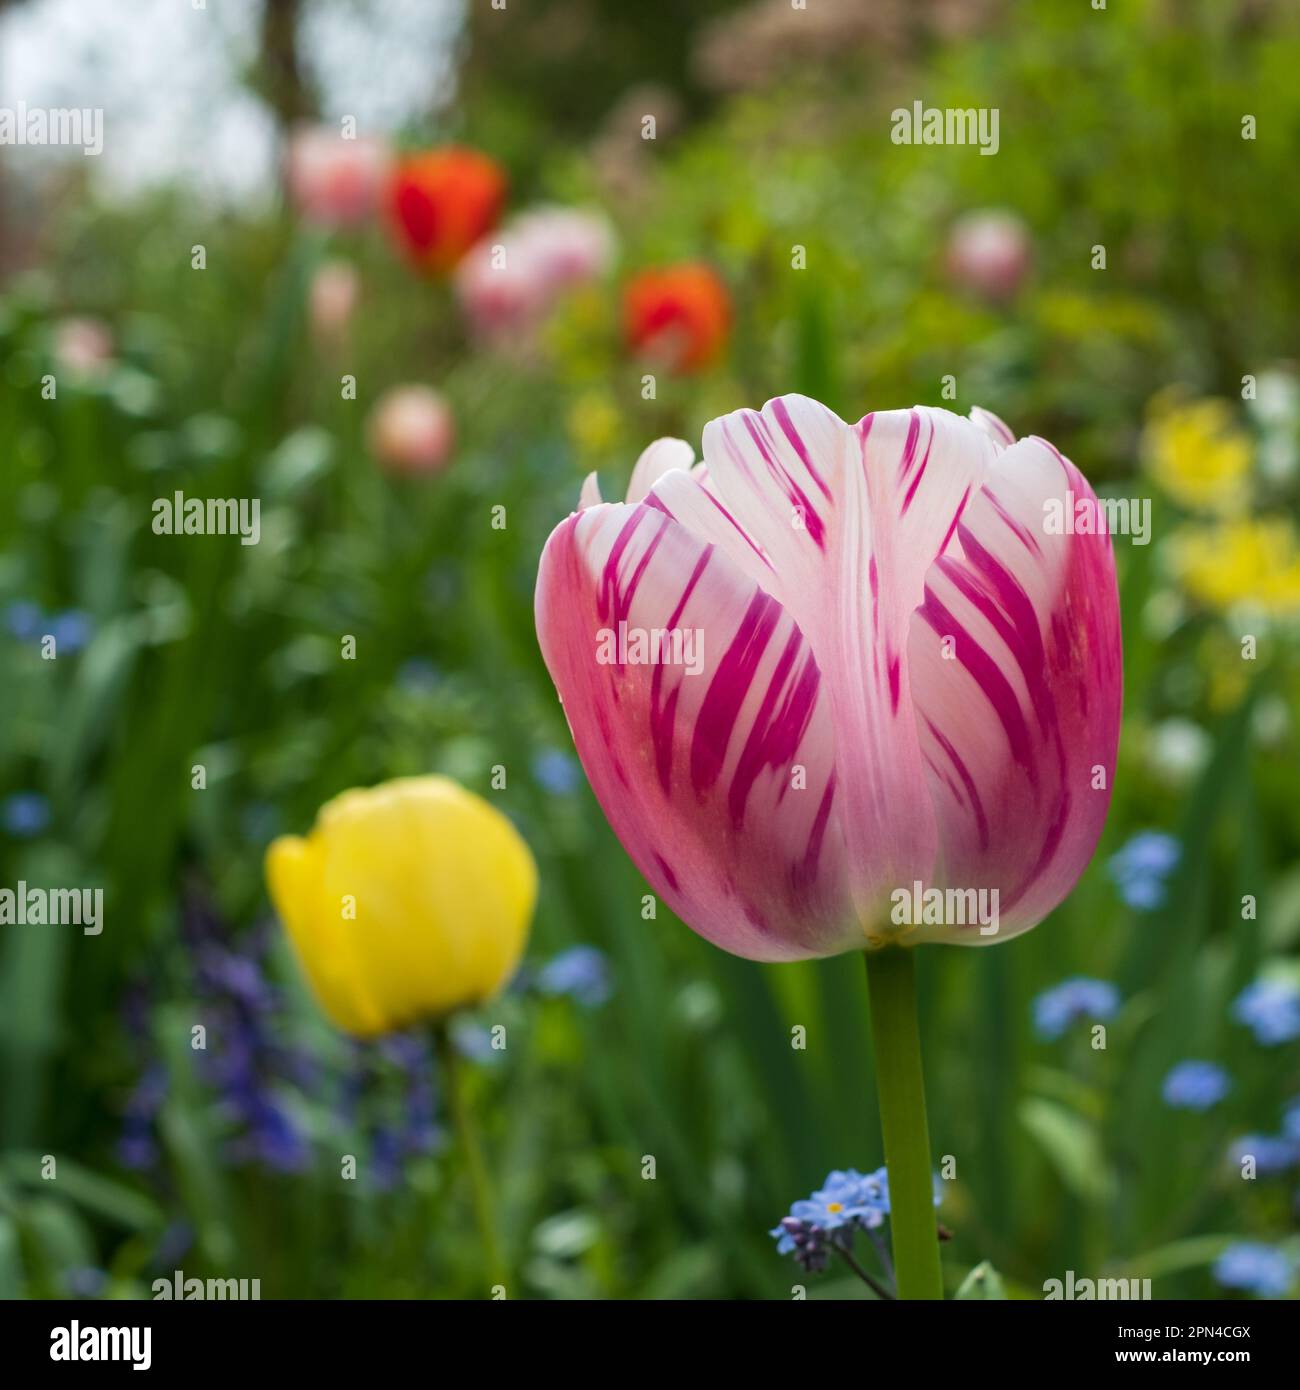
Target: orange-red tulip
[[679, 315], [441, 202]]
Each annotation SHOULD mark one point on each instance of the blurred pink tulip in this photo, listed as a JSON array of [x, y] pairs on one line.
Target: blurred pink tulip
[[333, 181], [513, 278], [411, 431], [989, 252], [83, 346], [835, 661], [332, 300]]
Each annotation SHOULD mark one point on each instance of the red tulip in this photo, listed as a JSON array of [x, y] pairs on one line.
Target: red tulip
[[834, 662], [679, 316], [441, 202]]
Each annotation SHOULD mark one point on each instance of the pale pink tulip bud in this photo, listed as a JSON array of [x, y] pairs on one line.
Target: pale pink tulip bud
[[511, 280], [411, 431], [334, 181], [989, 252], [331, 301], [83, 346]]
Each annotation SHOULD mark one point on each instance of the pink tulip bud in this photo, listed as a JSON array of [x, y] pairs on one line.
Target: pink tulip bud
[[331, 301], [83, 346], [989, 252], [834, 669], [411, 431], [512, 279], [334, 181]]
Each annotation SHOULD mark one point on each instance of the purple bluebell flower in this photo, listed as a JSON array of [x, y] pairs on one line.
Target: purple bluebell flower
[[25, 815], [1270, 1009], [581, 973], [137, 1147], [276, 1140], [1078, 998], [1141, 869], [1255, 1268], [385, 1158], [1195, 1085], [174, 1244]]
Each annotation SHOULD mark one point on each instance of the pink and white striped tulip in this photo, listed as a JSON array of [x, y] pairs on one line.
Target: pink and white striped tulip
[[898, 674]]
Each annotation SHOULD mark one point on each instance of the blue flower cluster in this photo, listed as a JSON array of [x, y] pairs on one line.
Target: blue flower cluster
[[847, 1202], [71, 629], [580, 973], [25, 815], [1196, 1085], [1273, 1154], [1141, 869], [1255, 1268], [1270, 1008], [1078, 998]]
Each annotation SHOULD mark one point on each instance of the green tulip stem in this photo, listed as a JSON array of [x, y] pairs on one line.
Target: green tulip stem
[[462, 1121], [891, 983]]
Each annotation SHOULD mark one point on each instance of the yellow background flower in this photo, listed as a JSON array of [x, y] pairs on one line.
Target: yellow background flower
[[1198, 454], [1249, 561], [406, 901]]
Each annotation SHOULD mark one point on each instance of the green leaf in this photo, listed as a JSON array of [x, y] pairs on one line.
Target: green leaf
[[1071, 1146], [97, 1194], [1177, 1256], [11, 1264], [983, 1282]]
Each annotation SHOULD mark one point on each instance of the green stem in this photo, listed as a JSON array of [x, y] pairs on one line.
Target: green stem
[[891, 981], [462, 1121]]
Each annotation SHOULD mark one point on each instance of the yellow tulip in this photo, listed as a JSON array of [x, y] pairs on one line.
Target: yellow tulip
[[405, 902]]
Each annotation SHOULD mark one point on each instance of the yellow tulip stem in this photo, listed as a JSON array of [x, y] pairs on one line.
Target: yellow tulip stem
[[891, 982], [462, 1121]]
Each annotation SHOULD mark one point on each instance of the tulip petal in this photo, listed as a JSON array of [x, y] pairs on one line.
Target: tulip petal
[[325, 950], [849, 520], [589, 496], [424, 850], [997, 429], [1018, 713], [654, 462], [720, 783]]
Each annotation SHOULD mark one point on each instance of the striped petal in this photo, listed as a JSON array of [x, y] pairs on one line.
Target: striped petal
[[849, 519], [1015, 659], [716, 770], [658, 459]]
